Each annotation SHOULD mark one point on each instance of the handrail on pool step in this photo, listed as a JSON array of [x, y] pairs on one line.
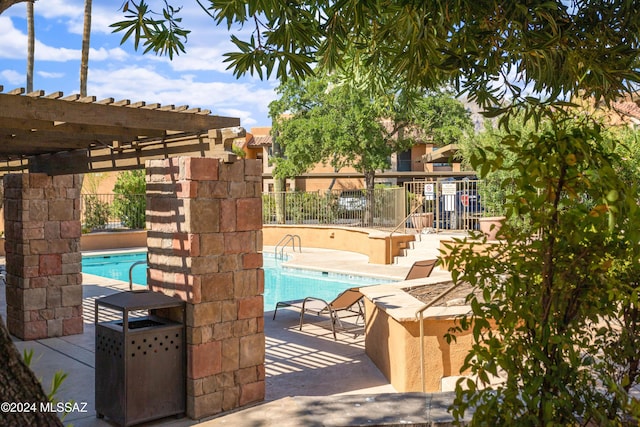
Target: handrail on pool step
[[131, 272]]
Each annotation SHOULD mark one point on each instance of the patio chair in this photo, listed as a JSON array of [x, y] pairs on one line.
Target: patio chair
[[421, 269], [347, 305]]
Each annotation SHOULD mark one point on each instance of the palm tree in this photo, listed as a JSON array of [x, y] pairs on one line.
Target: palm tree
[[86, 37], [30, 45]]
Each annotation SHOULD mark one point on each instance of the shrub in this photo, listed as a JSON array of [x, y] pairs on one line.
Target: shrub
[[130, 201]]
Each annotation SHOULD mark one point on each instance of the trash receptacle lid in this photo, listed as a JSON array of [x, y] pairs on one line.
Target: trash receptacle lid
[[139, 300]]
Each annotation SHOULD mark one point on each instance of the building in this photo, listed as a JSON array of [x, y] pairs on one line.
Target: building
[[423, 160]]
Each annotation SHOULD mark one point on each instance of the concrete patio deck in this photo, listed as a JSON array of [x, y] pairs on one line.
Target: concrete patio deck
[[311, 379]]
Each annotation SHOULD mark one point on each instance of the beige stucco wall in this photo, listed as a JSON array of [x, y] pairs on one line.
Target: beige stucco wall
[[393, 337], [373, 243], [113, 240]]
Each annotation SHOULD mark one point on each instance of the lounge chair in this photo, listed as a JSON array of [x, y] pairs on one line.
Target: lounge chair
[[421, 269], [348, 302]]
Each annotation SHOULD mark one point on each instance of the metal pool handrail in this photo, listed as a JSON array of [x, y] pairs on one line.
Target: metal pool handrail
[[420, 313], [131, 272], [283, 243]]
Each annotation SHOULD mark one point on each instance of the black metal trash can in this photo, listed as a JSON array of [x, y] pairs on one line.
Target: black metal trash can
[[139, 361]]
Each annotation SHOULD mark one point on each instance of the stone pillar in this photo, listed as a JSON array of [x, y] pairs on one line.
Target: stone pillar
[[204, 225], [44, 263]]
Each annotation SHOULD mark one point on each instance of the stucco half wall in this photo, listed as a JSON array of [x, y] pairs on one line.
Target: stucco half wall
[[379, 246], [393, 336]]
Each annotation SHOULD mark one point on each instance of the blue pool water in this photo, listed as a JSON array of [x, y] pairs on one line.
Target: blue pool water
[[281, 284]]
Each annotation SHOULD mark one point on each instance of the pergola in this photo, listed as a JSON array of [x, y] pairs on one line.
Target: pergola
[[204, 227], [57, 134]]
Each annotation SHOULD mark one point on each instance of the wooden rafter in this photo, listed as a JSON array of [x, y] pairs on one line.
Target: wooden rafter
[[36, 124]]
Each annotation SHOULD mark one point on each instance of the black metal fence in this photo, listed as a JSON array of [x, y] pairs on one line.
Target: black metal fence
[[102, 212], [347, 208]]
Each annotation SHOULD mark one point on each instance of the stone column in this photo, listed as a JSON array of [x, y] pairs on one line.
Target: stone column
[[43, 259], [204, 222]]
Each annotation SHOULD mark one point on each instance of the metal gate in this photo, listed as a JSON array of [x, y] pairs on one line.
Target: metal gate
[[454, 203]]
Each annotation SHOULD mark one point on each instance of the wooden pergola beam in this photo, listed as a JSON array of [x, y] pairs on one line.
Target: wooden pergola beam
[[91, 113]]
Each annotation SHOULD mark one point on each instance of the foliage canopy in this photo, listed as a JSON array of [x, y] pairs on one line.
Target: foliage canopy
[[490, 50]]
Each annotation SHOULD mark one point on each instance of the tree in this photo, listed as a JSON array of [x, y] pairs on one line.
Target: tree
[[18, 384], [558, 315], [331, 121], [86, 43], [491, 50], [30, 45]]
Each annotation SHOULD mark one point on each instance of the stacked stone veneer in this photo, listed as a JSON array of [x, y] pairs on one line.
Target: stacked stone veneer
[[204, 221], [43, 259]]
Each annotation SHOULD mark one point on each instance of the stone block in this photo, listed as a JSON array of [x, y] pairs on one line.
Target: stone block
[[54, 297], [187, 189], [202, 215], [38, 247], [38, 210], [223, 330], [205, 265], [252, 392], [33, 299], [33, 330], [252, 260], [253, 168], [230, 398], [213, 189], [228, 215], [33, 233], [239, 242], [205, 313], [217, 287], [51, 230], [194, 387], [204, 360], [72, 326], [211, 244], [60, 246], [245, 327], [71, 268], [237, 190], [246, 375], [70, 229], [232, 172], [230, 354], [61, 210], [251, 307], [36, 282], [246, 283], [205, 405], [54, 328], [229, 311], [50, 264], [207, 333], [252, 350], [199, 168], [63, 313], [71, 296], [38, 180], [72, 258], [229, 263], [251, 217]]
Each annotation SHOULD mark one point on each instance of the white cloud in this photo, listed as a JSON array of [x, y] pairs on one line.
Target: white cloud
[[13, 77], [102, 54], [221, 98], [13, 43], [48, 75]]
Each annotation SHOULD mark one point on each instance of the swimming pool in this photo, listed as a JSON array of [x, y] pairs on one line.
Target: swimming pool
[[280, 283]]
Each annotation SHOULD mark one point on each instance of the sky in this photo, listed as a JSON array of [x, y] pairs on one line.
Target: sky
[[197, 78]]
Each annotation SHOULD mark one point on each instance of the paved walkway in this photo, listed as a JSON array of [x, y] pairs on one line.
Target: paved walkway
[[311, 379]]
